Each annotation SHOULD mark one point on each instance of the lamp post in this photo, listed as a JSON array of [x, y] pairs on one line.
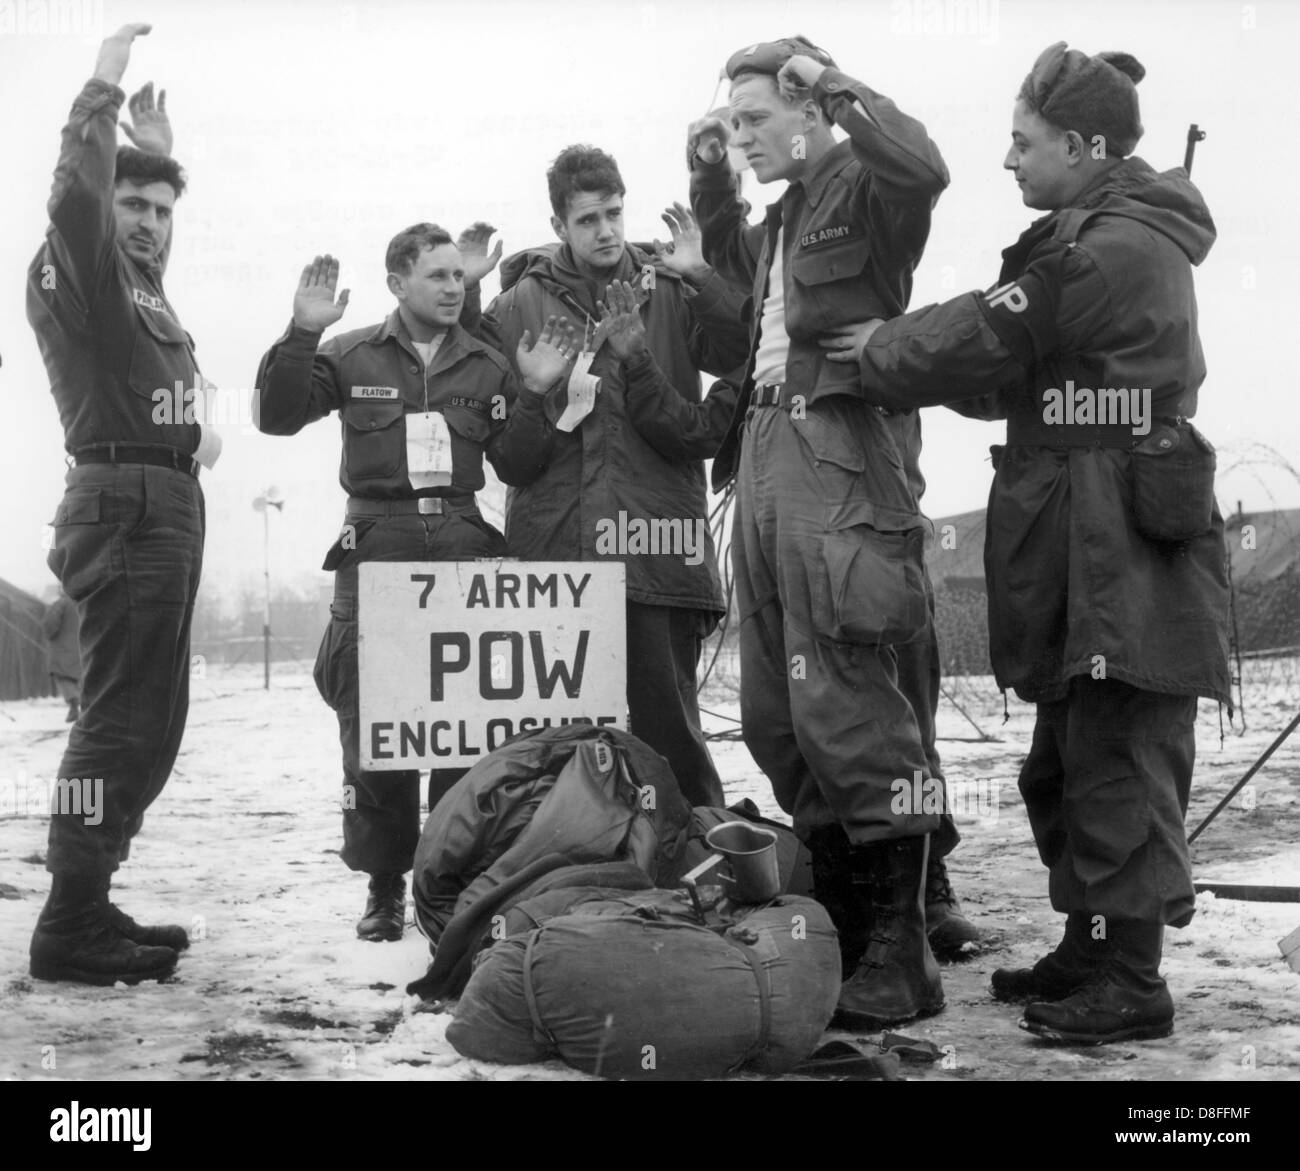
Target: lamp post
[[275, 499]]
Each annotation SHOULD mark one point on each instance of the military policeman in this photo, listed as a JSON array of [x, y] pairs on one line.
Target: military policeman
[[838, 669], [421, 402], [128, 534], [1104, 552]]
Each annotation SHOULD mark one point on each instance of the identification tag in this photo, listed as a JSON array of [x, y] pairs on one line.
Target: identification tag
[[583, 388], [428, 450]]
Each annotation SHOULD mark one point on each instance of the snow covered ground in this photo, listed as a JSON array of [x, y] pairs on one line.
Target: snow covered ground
[[243, 844]]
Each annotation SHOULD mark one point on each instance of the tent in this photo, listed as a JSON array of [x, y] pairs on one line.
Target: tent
[[24, 671], [1263, 550]]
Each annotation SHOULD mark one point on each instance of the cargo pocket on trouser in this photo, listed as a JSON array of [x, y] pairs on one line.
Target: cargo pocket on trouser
[[336, 662], [875, 586], [82, 554]]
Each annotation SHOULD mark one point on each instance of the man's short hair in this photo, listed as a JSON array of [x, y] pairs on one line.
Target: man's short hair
[[141, 167], [582, 168], [404, 249]]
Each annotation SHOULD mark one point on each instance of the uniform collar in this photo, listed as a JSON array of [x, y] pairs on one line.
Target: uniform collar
[[816, 181], [394, 328]]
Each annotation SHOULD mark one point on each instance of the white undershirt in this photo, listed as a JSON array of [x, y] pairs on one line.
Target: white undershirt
[[426, 350], [773, 341]]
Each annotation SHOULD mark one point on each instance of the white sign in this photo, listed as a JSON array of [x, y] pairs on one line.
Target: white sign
[[455, 657]]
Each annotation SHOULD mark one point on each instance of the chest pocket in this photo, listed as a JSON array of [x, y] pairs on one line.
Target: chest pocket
[[161, 354], [470, 432], [831, 262], [374, 440]]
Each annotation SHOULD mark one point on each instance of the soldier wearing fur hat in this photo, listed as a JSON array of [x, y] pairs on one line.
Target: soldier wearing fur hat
[[1104, 556]]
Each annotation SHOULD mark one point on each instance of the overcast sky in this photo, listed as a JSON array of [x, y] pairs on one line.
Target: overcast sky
[[312, 127]]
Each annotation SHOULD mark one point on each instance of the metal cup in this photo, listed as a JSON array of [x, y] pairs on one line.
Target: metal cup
[[750, 853]]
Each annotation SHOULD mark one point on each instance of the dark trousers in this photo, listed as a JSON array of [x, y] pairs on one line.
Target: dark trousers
[[1106, 784], [663, 656], [381, 810], [824, 703], [919, 674], [128, 549]]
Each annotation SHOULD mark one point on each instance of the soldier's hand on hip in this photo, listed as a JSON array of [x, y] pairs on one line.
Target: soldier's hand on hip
[[314, 307], [685, 254], [620, 322], [115, 52], [542, 363], [152, 129], [472, 245], [845, 343]]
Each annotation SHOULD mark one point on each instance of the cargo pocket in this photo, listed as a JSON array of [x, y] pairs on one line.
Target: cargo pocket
[[374, 441], [1173, 484], [81, 556], [336, 661], [876, 585]]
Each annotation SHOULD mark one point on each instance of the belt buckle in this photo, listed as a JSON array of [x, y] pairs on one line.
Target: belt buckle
[[429, 505]]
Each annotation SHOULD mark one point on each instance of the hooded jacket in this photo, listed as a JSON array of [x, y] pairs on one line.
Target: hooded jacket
[[606, 481], [1088, 347]]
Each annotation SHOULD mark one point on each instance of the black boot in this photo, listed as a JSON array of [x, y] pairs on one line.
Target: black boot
[[166, 935], [951, 935], [385, 914], [845, 895], [75, 940], [1126, 999], [1061, 972], [898, 978]]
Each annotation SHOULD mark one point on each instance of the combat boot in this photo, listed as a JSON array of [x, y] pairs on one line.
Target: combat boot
[[75, 940], [951, 934], [1126, 999], [898, 978], [842, 892], [1058, 974], [385, 914], [165, 935]]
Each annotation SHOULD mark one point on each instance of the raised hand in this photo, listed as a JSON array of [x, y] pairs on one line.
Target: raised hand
[[473, 244], [152, 131], [798, 75], [845, 343], [314, 307], [542, 363], [620, 322], [115, 52], [685, 254], [707, 137]]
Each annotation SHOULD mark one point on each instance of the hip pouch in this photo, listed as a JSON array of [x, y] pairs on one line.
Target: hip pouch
[[1173, 483]]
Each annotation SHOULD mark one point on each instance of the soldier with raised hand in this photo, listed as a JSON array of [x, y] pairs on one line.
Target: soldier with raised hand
[[839, 670], [421, 402], [1104, 550], [610, 465], [128, 544]]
